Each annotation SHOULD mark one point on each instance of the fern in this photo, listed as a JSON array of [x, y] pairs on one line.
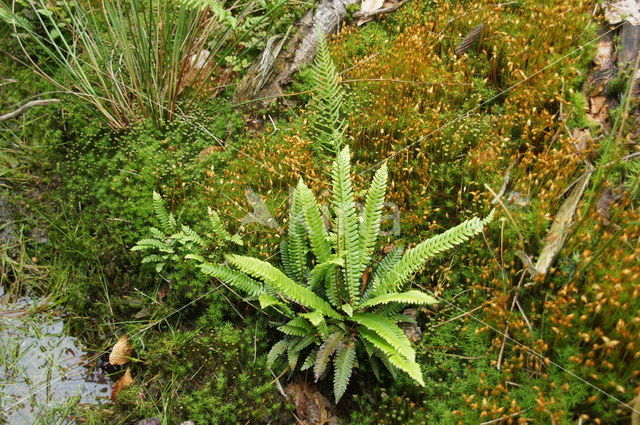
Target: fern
[[331, 310], [326, 106]]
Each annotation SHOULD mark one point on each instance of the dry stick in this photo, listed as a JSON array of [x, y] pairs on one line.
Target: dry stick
[[457, 317], [27, 106]]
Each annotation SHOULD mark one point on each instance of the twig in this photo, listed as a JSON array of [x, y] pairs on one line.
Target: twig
[[458, 317], [27, 106]]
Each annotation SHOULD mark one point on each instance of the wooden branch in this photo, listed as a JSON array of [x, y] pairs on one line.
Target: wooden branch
[[382, 11], [27, 106]]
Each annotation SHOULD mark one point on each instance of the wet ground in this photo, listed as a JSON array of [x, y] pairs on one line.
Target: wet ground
[[43, 371]]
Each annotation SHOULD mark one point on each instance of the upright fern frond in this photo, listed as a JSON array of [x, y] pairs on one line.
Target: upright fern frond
[[346, 225], [318, 235], [371, 217], [167, 221], [325, 351], [326, 106], [297, 240]]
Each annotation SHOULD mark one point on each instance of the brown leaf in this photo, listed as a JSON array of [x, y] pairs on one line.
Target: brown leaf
[[121, 384], [121, 352], [598, 109], [312, 408]]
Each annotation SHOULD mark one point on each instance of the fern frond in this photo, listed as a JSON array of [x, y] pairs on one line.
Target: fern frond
[[279, 282], [217, 226], [347, 234], [321, 270], [215, 7], [388, 330], [389, 354], [297, 236], [13, 19], [318, 235], [325, 351], [371, 216], [326, 105], [234, 278], [382, 268], [415, 258], [152, 259], [342, 368], [298, 327], [190, 235], [167, 221], [409, 297], [144, 244], [310, 360], [317, 320], [276, 351]]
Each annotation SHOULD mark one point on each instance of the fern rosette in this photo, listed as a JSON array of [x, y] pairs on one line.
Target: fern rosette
[[342, 303]]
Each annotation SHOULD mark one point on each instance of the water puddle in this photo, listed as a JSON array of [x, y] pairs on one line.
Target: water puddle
[[43, 376]]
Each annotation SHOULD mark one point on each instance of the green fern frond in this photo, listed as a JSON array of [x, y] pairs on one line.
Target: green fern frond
[[388, 330], [309, 360], [318, 235], [152, 259], [326, 106], [409, 297], [321, 270], [297, 236], [342, 368], [372, 216], [382, 268], [13, 19], [279, 282], [144, 244], [167, 221], [215, 7], [325, 351], [346, 225], [415, 258], [298, 327], [276, 351], [233, 278], [390, 355]]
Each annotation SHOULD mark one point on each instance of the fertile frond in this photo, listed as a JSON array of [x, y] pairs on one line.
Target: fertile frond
[[346, 223], [342, 368], [415, 258], [318, 235], [389, 354], [279, 282], [326, 350], [371, 217], [409, 297], [388, 330], [297, 236], [233, 278], [167, 222], [326, 106]]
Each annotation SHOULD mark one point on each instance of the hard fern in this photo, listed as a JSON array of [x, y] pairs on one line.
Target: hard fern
[[333, 313], [327, 120]]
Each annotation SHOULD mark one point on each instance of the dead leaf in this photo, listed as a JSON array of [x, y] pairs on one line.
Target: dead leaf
[[312, 408], [581, 139], [561, 224], [604, 55], [469, 40], [606, 201], [121, 352], [598, 110], [121, 384], [150, 421]]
